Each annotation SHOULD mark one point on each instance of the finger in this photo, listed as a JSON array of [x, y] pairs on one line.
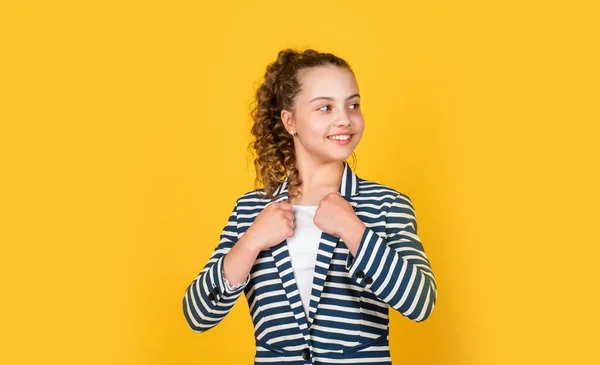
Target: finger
[[285, 206], [290, 222], [289, 215]]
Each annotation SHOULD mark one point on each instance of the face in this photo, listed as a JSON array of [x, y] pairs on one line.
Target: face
[[326, 115]]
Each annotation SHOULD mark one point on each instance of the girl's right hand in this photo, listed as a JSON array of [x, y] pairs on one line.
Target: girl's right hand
[[273, 224]]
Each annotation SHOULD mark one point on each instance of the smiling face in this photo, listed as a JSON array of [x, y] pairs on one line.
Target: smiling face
[[326, 114]]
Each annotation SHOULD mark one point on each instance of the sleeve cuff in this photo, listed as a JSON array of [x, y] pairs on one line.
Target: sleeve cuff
[[223, 285], [229, 288], [214, 288], [369, 256], [350, 261]]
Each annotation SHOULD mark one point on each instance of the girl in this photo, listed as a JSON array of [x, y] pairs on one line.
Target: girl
[[319, 253]]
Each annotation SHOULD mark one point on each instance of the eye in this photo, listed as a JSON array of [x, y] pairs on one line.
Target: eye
[[355, 105], [324, 106]]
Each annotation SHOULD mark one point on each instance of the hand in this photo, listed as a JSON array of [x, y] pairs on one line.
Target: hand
[[335, 215], [273, 224]]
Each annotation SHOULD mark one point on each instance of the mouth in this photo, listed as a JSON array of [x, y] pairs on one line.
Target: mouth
[[341, 139]]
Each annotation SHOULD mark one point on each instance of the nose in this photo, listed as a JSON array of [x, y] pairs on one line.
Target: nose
[[343, 118]]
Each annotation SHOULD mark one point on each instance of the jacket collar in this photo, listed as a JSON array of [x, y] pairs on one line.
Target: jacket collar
[[348, 185]]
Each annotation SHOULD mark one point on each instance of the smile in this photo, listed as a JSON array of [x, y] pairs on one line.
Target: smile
[[340, 139]]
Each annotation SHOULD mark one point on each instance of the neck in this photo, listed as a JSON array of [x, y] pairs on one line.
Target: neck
[[316, 176]]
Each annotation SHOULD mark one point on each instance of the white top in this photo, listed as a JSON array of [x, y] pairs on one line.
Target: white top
[[303, 245]]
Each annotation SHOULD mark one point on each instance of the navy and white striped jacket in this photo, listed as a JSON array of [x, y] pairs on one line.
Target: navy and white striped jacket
[[348, 317]]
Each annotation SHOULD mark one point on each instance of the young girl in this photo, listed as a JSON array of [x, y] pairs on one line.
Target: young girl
[[319, 253]]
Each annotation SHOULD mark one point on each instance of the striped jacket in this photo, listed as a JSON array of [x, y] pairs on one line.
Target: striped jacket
[[348, 316]]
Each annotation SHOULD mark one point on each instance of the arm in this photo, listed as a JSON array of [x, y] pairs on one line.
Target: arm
[[396, 268], [208, 299]]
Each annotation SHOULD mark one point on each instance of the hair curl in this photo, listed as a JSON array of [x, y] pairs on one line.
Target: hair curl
[[273, 144]]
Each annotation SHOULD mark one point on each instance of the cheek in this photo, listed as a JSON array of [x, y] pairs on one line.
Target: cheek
[[318, 127], [359, 123]]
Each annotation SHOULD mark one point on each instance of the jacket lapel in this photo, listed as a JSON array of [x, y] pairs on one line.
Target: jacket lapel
[[327, 243], [283, 263]]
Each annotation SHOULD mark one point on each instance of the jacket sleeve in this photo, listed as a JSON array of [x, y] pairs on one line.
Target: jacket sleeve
[[208, 299], [395, 268]]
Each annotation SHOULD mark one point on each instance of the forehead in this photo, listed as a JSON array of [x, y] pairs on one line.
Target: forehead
[[333, 81]]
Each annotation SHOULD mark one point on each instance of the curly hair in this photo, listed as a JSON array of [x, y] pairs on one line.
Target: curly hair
[[274, 146]]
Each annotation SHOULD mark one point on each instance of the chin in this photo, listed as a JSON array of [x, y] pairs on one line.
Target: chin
[[340, 156]]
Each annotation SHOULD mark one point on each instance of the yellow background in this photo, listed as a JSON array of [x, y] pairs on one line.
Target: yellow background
[[123, 139]]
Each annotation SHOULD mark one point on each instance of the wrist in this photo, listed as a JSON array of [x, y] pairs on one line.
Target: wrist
[[353, 233], [248, 244]]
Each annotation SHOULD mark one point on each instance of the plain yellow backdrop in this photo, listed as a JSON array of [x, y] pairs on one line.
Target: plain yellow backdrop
[[124, 127]]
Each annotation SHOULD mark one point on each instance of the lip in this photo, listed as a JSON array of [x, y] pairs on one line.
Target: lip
[[341, 134], [340, 142]]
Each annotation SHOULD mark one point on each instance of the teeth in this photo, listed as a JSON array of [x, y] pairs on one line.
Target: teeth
[[340, 137]]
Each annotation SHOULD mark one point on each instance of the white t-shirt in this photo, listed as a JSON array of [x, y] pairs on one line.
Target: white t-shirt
[[303, 246]]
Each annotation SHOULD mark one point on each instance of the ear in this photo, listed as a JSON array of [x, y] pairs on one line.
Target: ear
[[287, 120]]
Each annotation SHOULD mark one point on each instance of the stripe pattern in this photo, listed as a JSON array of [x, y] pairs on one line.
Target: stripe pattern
[[348, 317]]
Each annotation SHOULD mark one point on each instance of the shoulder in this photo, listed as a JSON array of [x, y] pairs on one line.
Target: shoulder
[[397, 206], [252, 198], [381, 191]]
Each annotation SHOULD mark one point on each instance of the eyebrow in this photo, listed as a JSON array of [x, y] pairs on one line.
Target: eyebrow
[[330, 98]]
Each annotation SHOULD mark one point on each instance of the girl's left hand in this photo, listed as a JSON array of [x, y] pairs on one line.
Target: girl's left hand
[[335, 215]]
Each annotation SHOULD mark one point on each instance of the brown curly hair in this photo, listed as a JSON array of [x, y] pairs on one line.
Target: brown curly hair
[[274, 145]]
